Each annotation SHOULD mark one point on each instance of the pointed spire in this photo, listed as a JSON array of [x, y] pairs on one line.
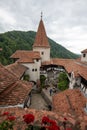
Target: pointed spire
[[41, 39]]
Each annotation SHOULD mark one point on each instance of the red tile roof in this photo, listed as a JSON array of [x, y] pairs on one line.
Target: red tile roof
[[62, 62], [58, 61], [25, 60], [41, 39], [84, 51], [77, 68], [70, 65], [12, 90], [72, 101], [26, 56], [6, 78], [15, 93], [17, 69]]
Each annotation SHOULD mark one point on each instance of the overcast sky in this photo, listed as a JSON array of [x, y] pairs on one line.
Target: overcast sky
[[65, 20]]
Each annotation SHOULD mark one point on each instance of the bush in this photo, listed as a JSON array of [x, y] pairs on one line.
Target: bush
[[26, 77]]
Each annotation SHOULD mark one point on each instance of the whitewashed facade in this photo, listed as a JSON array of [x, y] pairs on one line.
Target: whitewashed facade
[[84, 56], [33, 70], [44, 53]]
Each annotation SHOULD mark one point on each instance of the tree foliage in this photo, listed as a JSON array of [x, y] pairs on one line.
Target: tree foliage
[[42, 81], [26, 77], [63, 81]]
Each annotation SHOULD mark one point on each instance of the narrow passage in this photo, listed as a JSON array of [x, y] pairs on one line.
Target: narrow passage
[[37, 102]]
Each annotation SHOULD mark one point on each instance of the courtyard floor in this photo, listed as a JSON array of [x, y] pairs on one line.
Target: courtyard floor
[[37, 102]]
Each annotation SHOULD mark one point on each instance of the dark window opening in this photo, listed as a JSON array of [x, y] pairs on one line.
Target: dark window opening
[[84, 55], [32, 69], [37, 60], [42, 53], [35, 69]]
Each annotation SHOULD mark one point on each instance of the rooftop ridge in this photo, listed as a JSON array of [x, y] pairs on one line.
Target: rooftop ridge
[[70, 105], [8, 89]]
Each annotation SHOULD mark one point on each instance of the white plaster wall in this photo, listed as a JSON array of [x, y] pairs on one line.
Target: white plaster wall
[[82, 86], [46, 55], [72, 81], [34, 75], [86, 91], [84, 58]]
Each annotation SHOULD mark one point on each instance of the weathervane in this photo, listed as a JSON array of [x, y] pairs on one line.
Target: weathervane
[[41, 15]]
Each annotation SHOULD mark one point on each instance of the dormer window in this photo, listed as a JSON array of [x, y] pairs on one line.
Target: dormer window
[[42, 53], [84, 55]]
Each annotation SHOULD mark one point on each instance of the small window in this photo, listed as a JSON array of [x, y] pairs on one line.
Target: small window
[[42, 53], [37, 60], [32, 69], [35, 69], [84, 55]]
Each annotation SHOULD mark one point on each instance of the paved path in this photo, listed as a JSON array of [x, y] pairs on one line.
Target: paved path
[[37, 102], [47, 93]]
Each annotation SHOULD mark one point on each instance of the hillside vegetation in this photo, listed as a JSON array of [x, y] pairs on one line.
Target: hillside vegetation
[[19, 40]]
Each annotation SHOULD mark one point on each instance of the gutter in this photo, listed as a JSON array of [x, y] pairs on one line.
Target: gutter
[[9, 106]]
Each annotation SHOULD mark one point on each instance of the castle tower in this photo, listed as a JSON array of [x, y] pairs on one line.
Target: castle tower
[[84, 55], [41, 43]]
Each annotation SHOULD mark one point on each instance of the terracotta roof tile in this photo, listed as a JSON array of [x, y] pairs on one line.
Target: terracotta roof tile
[[17, 69], [58, 61], [25, 60], [12, 90], [16, 93], [77, 68], [78, 59], [26, 56], [72, 101], [6, 78], [41, 39], [62, 62]]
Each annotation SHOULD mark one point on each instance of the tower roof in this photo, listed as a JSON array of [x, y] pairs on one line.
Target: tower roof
[[41, 39], [84, 51]]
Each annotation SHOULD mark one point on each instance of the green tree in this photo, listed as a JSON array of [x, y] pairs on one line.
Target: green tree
[[63, 81], [42, 80]]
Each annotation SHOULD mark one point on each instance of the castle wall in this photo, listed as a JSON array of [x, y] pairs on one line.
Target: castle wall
[[44, 53], [84, 57], [33, 70]]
